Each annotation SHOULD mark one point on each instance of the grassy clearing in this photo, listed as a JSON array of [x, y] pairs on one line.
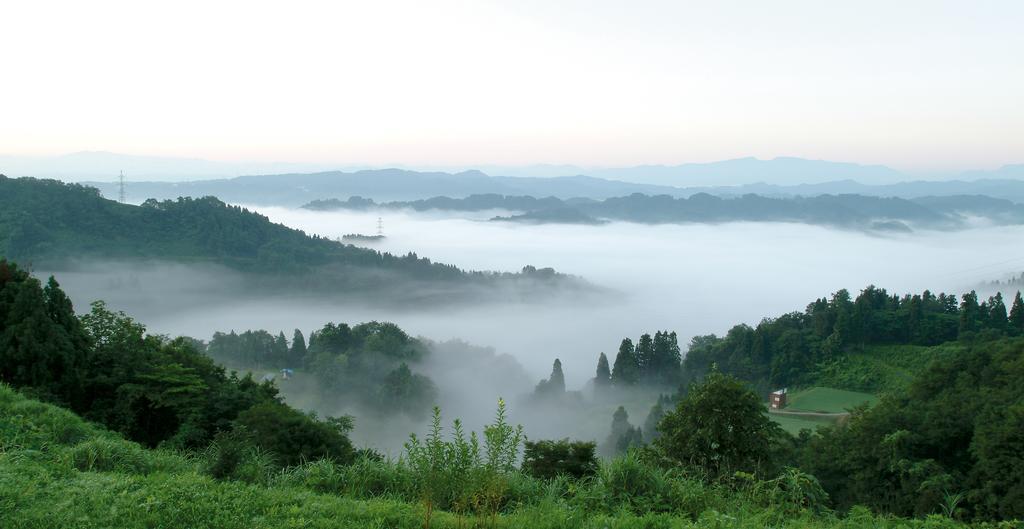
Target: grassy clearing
[[882, 368], [827, 400], [59, 471]]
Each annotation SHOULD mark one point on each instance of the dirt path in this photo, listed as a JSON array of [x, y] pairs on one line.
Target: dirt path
[[819, 414]]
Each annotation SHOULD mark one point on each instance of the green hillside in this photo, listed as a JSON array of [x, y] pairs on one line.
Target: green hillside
[[882, 368], [58, 471], [51, 223]]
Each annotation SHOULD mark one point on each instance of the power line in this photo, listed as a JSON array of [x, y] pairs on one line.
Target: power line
[[120, 188]]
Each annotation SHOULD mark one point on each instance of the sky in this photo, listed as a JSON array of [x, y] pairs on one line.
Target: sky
[[916, 85]]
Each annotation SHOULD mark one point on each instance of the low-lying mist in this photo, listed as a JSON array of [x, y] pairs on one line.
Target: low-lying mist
[[692, 279]]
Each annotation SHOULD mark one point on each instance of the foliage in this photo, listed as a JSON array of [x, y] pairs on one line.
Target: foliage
[[460, 474], [653, 360], [797, 348], [152, 390], [957, 429], [293, 436], [547, 459], [43, 485], [719, 427], [554, 385]]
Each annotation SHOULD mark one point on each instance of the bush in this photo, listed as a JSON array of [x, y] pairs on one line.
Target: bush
[[232, 455], [547, 459], [295, 437]]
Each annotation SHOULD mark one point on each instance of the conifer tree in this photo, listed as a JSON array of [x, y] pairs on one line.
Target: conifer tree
[[556, 382], [650, 431], [1017, 314], [280, 350], [298, 353], [997, 312], [553, 385], [622, 434], [603, 378], [645, 360], [970, 313], [625, 372]]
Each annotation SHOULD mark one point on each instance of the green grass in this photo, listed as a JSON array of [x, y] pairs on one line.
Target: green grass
[[881, 368], [827, 400], [58, 471]]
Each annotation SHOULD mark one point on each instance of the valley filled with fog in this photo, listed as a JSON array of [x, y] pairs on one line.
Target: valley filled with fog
[[693, 279]]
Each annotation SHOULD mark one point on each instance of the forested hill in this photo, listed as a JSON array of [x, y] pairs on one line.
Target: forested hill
[[49, 223], [848, 211]]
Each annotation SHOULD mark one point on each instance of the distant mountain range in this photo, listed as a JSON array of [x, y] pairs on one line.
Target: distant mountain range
[[381, 184], [295, 184], [400, 185]]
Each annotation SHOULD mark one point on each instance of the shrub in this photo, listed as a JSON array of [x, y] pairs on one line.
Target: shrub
[[546, 459]]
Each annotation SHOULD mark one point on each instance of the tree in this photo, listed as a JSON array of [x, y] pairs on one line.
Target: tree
[[626, 371], [997, 313], [622, 435], [407, 392], [666, 360], [553, 386], [42, 346], [970, 313], [280, 351], [298, 351], [650, 430], [645, 360], [603, 378], [547, 459], [719, 427], [1016, 321], [294, 437]]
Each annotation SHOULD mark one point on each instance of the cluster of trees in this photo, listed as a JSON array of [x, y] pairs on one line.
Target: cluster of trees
[[257, 349], [155, 391], [789, 350], [367, 364], [370, 364], [476, 202], [652, 361]]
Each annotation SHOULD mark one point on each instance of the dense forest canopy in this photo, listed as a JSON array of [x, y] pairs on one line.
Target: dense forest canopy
[[801, 347]]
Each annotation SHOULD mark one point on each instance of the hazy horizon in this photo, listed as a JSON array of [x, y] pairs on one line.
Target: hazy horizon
[[919, 86]]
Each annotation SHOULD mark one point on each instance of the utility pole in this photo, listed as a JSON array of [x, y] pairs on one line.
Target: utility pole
[[380, 227], [120, 188]]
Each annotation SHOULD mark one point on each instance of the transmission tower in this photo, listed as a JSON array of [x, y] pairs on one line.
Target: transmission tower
[[120, 188], [380, 226]]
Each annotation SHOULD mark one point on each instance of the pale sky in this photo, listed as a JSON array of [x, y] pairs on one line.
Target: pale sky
[[917, 85]]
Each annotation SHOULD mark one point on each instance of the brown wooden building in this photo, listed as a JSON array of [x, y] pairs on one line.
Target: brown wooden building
[[777, 399]]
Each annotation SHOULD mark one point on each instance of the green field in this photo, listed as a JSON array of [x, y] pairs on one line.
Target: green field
[[827, 400], [818, 400]]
